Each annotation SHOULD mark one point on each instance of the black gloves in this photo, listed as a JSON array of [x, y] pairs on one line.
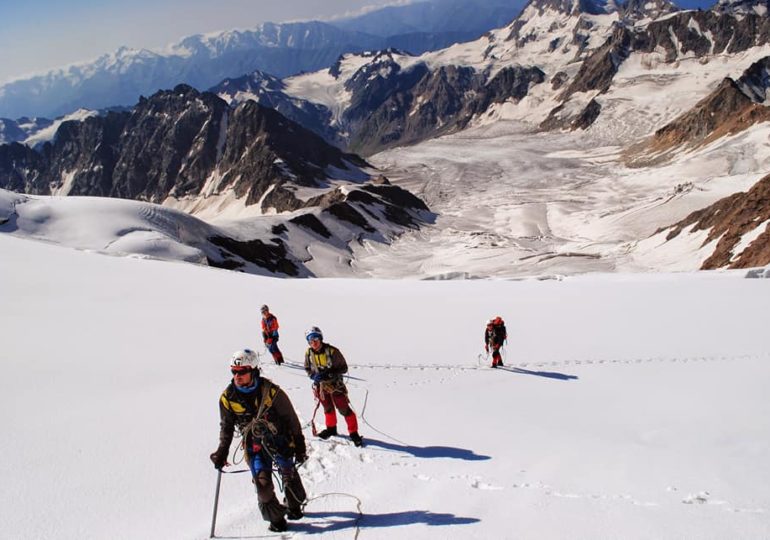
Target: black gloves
[[219, 458]]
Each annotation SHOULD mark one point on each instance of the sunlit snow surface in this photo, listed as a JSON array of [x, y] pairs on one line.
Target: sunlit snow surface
[[631, 406]]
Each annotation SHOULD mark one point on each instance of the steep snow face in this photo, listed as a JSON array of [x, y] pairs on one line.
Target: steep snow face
[[48, 133], [546, 36], [327, 86]]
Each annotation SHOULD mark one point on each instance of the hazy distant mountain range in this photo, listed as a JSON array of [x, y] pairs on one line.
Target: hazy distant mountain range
[[119, 78]]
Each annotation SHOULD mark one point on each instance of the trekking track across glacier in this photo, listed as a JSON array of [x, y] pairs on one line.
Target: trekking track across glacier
[[327, 452], [477, 365]]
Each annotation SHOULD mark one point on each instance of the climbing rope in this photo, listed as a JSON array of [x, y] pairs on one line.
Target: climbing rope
[[359, 504]]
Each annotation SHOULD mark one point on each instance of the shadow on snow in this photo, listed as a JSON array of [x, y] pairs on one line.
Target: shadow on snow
[[428, 451], [348, 520], [546, 374]]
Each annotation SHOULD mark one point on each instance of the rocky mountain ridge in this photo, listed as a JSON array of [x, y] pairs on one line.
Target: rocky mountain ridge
[[190, 150], [394, 98]]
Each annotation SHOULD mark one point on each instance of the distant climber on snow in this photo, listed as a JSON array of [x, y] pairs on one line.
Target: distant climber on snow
[[325, 365], [270, 334], [495, 336], [271, 434]]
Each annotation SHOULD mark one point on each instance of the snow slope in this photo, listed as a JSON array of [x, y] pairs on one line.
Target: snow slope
[[632, 406]]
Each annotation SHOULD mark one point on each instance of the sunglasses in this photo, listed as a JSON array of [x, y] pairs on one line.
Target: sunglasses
[[240, 371], [313, 338]]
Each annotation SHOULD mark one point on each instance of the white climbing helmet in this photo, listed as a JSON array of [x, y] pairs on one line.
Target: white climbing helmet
[[244, 358]]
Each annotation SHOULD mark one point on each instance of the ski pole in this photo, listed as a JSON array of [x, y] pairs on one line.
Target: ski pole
[[216, 503]]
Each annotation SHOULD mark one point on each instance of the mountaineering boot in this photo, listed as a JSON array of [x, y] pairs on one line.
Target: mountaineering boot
[[278, 357], [357, 439], [328, 432], [294, 513], [278, 526]]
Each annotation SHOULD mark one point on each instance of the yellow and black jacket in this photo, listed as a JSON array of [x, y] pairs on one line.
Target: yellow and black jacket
[[263, 416], [328, 361]]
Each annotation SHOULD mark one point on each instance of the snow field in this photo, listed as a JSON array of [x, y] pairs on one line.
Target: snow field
[[631, 405]]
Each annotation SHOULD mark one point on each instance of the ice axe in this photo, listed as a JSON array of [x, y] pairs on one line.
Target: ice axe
[[316, 390], [216, 503]]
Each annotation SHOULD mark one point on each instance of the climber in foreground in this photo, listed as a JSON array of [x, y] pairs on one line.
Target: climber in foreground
[[271, 434]]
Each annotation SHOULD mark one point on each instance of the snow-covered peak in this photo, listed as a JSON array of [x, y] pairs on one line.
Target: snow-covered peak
[[642, 11], [327, 86], [574, 7], [743, 7]]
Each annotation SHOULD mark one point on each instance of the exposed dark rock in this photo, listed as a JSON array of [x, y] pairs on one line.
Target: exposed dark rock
[[587, 117], [309, 221], [635, 10], [755, 81], [597, 71], [583, 120], [572, 7], [345, 212], [558, 80], [170, 145], [510, 83], [397, 196], [729, 219], [700, 33], [424, 104], [377, 81], [272, 257], [20, 168], [743, 7]]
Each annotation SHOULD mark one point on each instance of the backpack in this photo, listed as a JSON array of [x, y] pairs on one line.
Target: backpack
[[498, 327]]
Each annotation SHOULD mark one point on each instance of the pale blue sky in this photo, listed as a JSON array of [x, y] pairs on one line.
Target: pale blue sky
[[36, 35]]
